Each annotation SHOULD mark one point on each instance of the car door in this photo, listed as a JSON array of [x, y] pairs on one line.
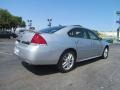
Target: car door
[[83, 44], [96, 44]]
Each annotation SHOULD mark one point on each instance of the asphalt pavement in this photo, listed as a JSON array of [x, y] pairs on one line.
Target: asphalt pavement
[[95, 74]]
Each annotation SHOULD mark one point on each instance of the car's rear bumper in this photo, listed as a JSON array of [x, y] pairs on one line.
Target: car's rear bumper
[[36, 55]]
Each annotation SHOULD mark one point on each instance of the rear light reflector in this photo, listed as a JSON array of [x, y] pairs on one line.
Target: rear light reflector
[[38, 39]]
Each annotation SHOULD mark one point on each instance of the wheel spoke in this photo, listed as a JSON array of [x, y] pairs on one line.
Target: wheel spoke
[[68, 61], [69, 56], [65, 65], [68, 65], [105, 53]]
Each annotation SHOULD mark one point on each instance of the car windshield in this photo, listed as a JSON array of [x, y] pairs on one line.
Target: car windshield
[[51, 29]]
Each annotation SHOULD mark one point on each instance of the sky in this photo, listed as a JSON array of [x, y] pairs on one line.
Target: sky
[[94, 14]]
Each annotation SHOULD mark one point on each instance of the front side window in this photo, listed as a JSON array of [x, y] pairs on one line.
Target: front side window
[[92, 35]]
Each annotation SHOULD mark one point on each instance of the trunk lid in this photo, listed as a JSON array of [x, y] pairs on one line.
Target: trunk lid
[[25, 37]]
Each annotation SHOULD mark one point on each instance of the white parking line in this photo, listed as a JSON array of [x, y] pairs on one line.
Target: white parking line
[[6, 53]]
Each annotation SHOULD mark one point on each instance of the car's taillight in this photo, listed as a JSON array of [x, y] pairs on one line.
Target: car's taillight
[[38, 39]]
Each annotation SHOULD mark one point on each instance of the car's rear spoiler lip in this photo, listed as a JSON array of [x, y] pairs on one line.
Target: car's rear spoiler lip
[[33, 31]]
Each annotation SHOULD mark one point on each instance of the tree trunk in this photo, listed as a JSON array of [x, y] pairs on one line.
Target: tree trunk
[[14, 29]]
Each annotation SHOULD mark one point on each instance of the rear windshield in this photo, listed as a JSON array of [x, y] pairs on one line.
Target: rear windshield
[[51, 29]]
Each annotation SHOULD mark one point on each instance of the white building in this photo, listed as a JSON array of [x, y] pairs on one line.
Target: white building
[[109, 34]]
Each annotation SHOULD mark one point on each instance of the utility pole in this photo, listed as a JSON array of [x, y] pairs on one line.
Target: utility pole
[[118, 21], [49, 22], [29, 23]]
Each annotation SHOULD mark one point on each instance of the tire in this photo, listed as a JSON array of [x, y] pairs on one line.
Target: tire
[[105, 53], [67, 61]]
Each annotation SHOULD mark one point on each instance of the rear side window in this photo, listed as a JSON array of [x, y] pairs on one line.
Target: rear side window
[[51, 29], [78, 32]]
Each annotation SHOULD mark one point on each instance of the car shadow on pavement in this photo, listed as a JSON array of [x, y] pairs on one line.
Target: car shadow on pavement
[[41, 69], [86, 62], [52, 69]]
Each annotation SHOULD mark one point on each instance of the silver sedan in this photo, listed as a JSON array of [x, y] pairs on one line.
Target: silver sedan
[[60, 45]]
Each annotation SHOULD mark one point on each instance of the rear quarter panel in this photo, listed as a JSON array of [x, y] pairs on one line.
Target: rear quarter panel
[[57, 44]]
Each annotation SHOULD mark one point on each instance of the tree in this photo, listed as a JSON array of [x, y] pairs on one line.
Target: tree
[[15, 22], [9, 21], [5, 18], [23, 24]]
